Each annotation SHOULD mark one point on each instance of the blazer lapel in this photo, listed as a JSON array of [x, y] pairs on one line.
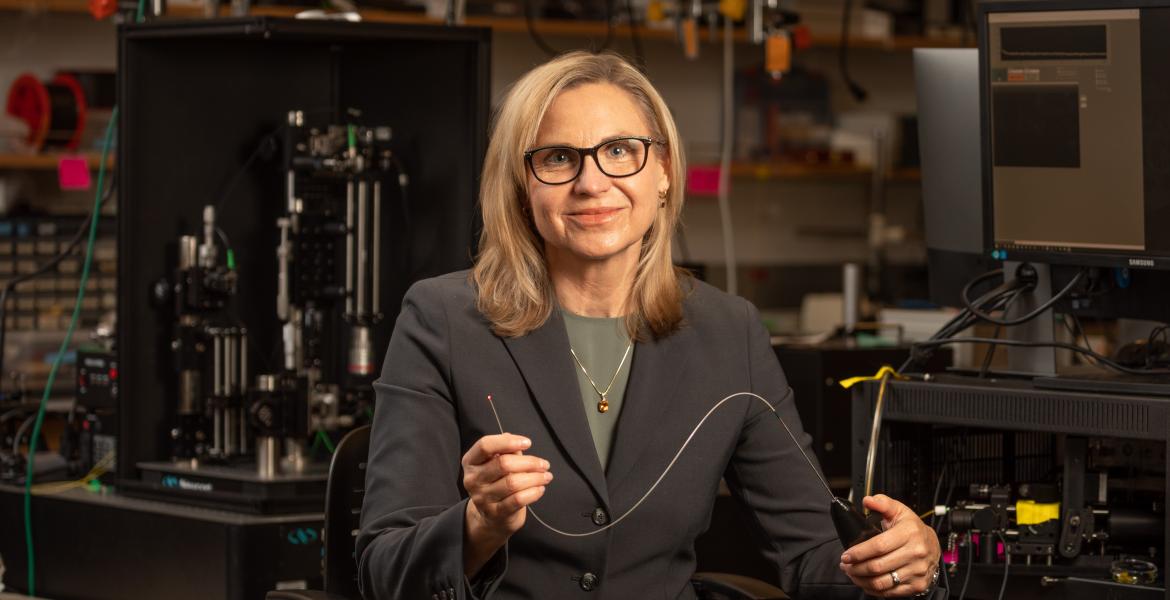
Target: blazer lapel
[[655, 374], [543, 359]]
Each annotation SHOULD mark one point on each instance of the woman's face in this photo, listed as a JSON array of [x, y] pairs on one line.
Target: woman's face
[[595, 217]]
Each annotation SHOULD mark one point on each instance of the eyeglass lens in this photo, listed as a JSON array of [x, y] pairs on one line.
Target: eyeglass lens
[[618, 158]]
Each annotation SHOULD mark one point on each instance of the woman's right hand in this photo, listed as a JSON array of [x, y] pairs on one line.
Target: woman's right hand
[[501, 482]]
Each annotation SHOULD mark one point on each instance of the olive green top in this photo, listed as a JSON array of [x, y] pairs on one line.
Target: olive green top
[[600, 343]]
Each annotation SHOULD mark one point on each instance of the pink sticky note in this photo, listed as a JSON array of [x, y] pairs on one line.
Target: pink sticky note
[[703, 180], [73, 173]]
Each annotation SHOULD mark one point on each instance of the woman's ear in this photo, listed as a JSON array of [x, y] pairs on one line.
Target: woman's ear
[[663, 165]]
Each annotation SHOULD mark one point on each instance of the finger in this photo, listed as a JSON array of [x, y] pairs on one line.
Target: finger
[[891, 510], [912, 581], [501, 466], [880, 544], [910, 559], [513, 483], [505, 464], [510, 505], [490, 445]]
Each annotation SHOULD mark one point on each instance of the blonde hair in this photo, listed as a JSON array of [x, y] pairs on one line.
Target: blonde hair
[[511, 276]]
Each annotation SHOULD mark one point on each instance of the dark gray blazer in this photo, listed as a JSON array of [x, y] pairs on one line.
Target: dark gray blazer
[[442, 364]]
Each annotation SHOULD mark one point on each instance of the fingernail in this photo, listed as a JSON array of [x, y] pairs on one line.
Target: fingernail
[[545, 464], [841, 566], [525, 442], [846, 559], [547, 477]]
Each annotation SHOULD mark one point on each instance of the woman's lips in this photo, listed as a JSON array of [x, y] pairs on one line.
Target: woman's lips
[[594, 216]]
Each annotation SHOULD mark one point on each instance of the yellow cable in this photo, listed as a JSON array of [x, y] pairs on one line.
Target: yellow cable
[[100, 468]]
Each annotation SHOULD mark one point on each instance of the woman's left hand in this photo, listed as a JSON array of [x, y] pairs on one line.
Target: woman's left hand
[[898, 562]]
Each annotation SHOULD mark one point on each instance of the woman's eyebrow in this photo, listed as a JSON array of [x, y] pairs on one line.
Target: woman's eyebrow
[[609, 138]]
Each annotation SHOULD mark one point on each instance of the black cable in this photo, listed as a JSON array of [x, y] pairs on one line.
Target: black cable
[[267, 142], [992, 348], [1007, 563], [934, 520], [635, 38], [1100, 358], [1150, 339], [1082, 335], [1028, 317], [1155, 332], [964, 319], [970, 566], [10, 288], [987, 356], [859, 93]]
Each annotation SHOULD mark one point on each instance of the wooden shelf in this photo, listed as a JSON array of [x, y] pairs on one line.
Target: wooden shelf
[[57, 6], [809, 172], [45, 162], [550, 27]]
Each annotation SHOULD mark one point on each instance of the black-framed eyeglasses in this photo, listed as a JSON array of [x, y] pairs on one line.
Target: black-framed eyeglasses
[[621, 157]]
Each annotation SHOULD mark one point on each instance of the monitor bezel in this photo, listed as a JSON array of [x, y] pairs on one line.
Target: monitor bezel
[[1078, 257]]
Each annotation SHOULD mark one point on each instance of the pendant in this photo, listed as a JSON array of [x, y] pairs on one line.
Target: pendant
[[603, 405]]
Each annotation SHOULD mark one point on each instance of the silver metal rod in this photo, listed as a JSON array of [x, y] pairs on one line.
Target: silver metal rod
[[217, 431], [243, 380], [362, 251], [283, 256], [851, 293], [229, 364], [756, 21], [208, 253], [267, 456], [349, 248], [375, 303], [188, 251], [229, 432], [298, 333], [294, 454], [190, 392], [291, 188], [243, 423], [288, 337], [217, 365]]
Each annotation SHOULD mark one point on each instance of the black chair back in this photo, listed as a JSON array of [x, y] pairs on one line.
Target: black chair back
[[343, 510]]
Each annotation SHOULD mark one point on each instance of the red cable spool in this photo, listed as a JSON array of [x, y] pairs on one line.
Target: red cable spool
[[54, 111]]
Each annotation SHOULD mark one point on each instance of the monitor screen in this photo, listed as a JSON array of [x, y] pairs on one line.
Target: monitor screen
[[1075, 108]]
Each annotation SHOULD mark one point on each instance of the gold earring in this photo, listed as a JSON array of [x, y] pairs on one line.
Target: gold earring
[[661, 199]]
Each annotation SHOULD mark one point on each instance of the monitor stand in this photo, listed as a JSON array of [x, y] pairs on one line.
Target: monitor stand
[[1037, 361]]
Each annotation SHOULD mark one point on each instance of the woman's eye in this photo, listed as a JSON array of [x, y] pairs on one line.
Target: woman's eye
[[619, 150], [558, 157]]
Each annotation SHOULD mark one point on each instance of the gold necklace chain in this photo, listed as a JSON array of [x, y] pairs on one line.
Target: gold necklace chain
[[603, 403]]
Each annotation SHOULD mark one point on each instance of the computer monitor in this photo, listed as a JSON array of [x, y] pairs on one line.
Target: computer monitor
[[1075, 99], [946, 82]]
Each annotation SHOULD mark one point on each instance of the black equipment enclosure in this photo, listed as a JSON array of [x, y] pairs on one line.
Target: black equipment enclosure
[[197, 97]]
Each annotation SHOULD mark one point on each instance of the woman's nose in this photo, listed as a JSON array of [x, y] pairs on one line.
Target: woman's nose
[[591, 180]]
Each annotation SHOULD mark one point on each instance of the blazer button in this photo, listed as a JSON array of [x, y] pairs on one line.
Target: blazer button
[[588, 582], [600, 517]]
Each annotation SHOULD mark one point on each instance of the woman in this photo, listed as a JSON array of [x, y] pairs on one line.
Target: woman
[[576, 335]]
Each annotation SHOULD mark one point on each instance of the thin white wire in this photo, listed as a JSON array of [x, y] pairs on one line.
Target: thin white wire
[[671, 465]]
